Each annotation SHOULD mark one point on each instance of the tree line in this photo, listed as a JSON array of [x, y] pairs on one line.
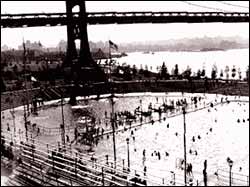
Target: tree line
[[129, 73]]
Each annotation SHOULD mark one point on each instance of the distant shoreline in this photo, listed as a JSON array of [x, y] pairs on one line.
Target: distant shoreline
[[198, 50], [212, 49]]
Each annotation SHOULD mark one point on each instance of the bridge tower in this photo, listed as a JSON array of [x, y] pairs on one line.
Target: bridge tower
[[82, 67]]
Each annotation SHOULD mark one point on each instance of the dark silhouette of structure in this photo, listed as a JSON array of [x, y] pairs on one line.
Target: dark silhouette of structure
[[82, 66], [3, 87], [55, 19], [79, 66]]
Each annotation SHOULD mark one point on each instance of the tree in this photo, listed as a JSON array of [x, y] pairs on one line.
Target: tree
[[141, 71], [127, 73], [227, 72], [239, 72], [134, 70], [117, 70], [221, 73], [163, 70], [233, 71], [187, 73], [146, 72], [158, 68], [176, 70], [214, 72], [203, 72], [199, 74]]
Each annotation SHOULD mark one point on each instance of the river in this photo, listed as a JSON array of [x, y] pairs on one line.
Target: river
[[195, 60]]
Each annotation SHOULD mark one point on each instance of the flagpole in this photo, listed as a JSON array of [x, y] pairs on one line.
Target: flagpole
[[110, 59], [26, 92], [109, 51], [25, 78]]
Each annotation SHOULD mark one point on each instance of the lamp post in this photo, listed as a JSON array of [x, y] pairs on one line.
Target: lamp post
[[25, 120], [230, 163], [62, 125], [205, 173], [141, 110], [13, 114], [173, 178], [128, 154], [107, 159], [47, 69], [184, 135], [123, 162], [109, 64], [113, 128]]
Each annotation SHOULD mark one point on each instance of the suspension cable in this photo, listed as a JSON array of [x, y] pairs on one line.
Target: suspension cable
[[232, 4], [201, 6]]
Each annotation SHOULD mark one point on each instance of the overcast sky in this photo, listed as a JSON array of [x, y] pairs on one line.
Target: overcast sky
[[50, 36]]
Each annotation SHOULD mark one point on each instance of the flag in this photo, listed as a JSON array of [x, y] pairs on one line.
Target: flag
[[24, 50], [33, 79], [113, 45]]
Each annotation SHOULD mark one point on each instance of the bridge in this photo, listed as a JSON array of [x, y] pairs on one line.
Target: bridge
[[81, 64], [60, 19]]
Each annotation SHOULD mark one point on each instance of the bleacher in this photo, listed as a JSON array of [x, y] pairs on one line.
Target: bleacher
[[39, 167]]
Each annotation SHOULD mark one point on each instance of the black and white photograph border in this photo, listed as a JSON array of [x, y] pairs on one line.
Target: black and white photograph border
[[128, 93]]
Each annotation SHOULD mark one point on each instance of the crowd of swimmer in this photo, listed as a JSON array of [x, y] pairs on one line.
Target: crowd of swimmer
[[123, 120], [126, 118]]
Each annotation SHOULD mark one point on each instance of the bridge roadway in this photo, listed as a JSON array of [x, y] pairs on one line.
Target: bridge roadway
[[93, 18]]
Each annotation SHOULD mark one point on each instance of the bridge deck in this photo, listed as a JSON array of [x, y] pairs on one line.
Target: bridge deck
[[60, 19]]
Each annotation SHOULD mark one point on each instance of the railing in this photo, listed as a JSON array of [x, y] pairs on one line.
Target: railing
[[126, 14], [102, 88], [48, 148], [37, 156], [237, 179], [55, 19], [154, 180]]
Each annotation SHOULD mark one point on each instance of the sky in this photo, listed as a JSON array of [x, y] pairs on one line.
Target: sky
[[50, 36]]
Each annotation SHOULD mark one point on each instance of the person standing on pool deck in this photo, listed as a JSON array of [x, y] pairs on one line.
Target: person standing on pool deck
[[145, 170], [8, 127], [144, 152], [205, 173]]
